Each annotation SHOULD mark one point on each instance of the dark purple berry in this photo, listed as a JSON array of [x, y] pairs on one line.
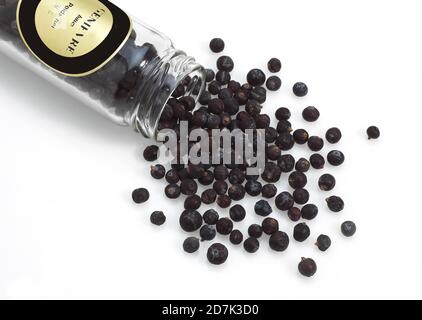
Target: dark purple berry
[[326, 182], [220, 187], [223, 77], [283, 114], [195, 171], [172, 176], [221, 172], [172, 191], [224, 226], [297, 180], [263, 208], [270, 226], [191, 245], [253, 188], [323, 242], [310, 114], [211, 217], [333, 135], [301, 196], [253, 107], [259, 94], [335, 158], [315, 143], [335, 204], [302, 165], [300, 136], [213, 121], [190, 220], [158, 218], [348, 228], [309, 211], [273, 83], [224, 201], [214, 87], [284, 126], [216, 106], [301, 232], [284, 201], [236, 237], [300, 89], [237, 213], [373, 132], [188, 102], [188, 187], [279, 241], [294, 214], [140, 195], [231, 106], [193, 202], [151, 153], [225, 63], [271, 173], [256, 77], [286, 163], [317, 161], [242, 97], [236, 192], [217, 45], [307, 267], [208, 196], [263, 121], [269, 191], [217, 254], [167, 113], [274, 65], [255, 231], [209, 75], [207, 233], [207, 178], [234, 86], [236, 176], [285, 141], [251, 245]]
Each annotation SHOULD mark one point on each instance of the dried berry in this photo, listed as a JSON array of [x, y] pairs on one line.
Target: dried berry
[[302, 165], [217, 254], [190, 220], [216, 106], [300, 89], [214, 87], [172, 191], [373, 132], [158, 218], [269, 191], [224, 226], [284, 126], [272, 173], [323, 242], [284, 201], [236, 192], [259, 94], [231, 106], [315, 143], [140, 195], [224, 201], [220, 187], [279, 241], [256, 77], [335, 158], [253, 188], [191, 245], [223, 77], [327, 182], [251, 245], [237, 213], [335, 204], [309, 211], [310, 114], [151, 153], [307, 267], [274, 65], [301, 232], [236, 237], [286, 163], [285, 141], [207, 178], [294, 214], [333, 135], [207, 233], [298, 180], [262, 121], [217, 45], [221, 172], [283, 114], [209, 196], [209, 75], [211, 217], [317, 161], [236, 176], [234, 86], [253, 107], [188, 187], [300, 136], [255, 231], [193, 202], [195, 171], [348, 228], [172, 176], [225, 63], [270, 226], [263, 208], [273, 83], [301, 196]]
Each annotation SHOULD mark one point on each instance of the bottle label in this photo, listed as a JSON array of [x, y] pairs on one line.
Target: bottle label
[[73, 37]]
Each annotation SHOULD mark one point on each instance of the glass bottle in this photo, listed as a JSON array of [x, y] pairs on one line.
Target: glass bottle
[[130, 87]]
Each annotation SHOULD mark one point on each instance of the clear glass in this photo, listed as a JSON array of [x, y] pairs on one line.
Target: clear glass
[[133, 88]]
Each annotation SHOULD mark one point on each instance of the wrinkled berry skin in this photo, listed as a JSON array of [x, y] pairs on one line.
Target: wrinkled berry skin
[[310, 114], [323, 242], [279, 241], [348, 228], [211, 217], [217, 45], [327, 182], [270, 226], [217, 254], [333, 135], [158, 218], [373, 132], [335, 158], [251, 245], [301, 232], [140, 195], [256, 77], [335, 204], [274, 65], [309, 211], [300, 89], [307, 267], [301, 196], [224, 226], [236, 237], [191, 245], [284, 201], [151, 153], [190, 220]]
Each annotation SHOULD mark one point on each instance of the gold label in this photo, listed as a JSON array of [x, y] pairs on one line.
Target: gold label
[[73, 37], [72, 28]]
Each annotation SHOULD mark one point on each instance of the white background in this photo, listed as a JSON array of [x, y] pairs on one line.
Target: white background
[[68, 227]]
